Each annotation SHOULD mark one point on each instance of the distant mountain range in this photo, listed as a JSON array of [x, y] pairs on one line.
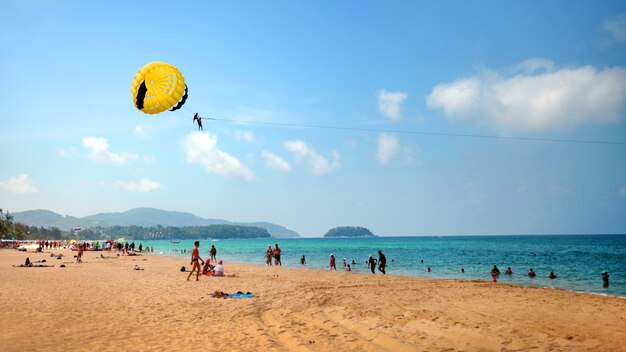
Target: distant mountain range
[[139, 217]]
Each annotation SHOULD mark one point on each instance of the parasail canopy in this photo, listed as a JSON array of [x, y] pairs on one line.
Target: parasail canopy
[[158, 87]]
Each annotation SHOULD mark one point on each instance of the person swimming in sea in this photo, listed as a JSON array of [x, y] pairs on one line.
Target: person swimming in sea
[[509, 271], [532, 273], [605, 278], [552, 276]]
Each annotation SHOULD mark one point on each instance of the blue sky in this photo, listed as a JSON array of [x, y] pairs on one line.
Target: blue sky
[[73, 142]]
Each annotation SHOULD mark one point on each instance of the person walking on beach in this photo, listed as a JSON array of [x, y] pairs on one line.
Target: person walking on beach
[[213, 253], [382, 262], [269, 253], [371, 263], [80, 253], [195, 259], [332, 262], [277, 256]]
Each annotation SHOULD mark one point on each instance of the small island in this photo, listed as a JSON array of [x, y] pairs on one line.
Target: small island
[[349, 231]]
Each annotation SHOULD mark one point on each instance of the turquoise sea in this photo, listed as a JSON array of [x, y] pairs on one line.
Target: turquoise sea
[[577, 260]]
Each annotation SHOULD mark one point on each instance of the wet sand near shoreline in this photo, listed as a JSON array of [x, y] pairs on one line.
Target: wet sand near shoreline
[[105, 305]]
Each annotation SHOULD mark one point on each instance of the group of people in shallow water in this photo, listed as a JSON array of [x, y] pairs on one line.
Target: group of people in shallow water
[[495, 272], [372, 263], [274, 253]]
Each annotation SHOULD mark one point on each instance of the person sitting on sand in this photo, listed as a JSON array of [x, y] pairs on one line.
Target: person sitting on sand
[[207, 269], [552, 276], [195, 258], [219, 269], [509, 271], [332, 262], [532, 273]]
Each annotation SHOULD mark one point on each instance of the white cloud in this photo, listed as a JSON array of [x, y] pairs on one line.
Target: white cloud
[[247, 136], [616, 27], [534, 97], [390, 103], [388, 148], [317, 164], [275, 162], [139, 131], [143, 185], [19, 184], [622, 191], [68, 153], [99, 148], [201, 148]]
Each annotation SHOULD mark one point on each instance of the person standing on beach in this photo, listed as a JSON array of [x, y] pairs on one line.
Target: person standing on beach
[[382, 262], [195, 259], [213, 253], [332, 262], [277, 252], [371, 263], [80, 253], [269, 253]]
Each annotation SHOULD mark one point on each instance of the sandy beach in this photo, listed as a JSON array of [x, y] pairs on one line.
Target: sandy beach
[[105, 305]]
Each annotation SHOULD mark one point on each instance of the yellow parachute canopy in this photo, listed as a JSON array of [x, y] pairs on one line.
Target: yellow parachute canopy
[[157, 87]]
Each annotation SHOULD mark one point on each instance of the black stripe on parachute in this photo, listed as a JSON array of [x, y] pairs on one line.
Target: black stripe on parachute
[[141, 95], [182, 101]]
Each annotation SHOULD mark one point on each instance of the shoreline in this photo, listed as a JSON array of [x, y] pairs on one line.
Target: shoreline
[[173, 255]]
